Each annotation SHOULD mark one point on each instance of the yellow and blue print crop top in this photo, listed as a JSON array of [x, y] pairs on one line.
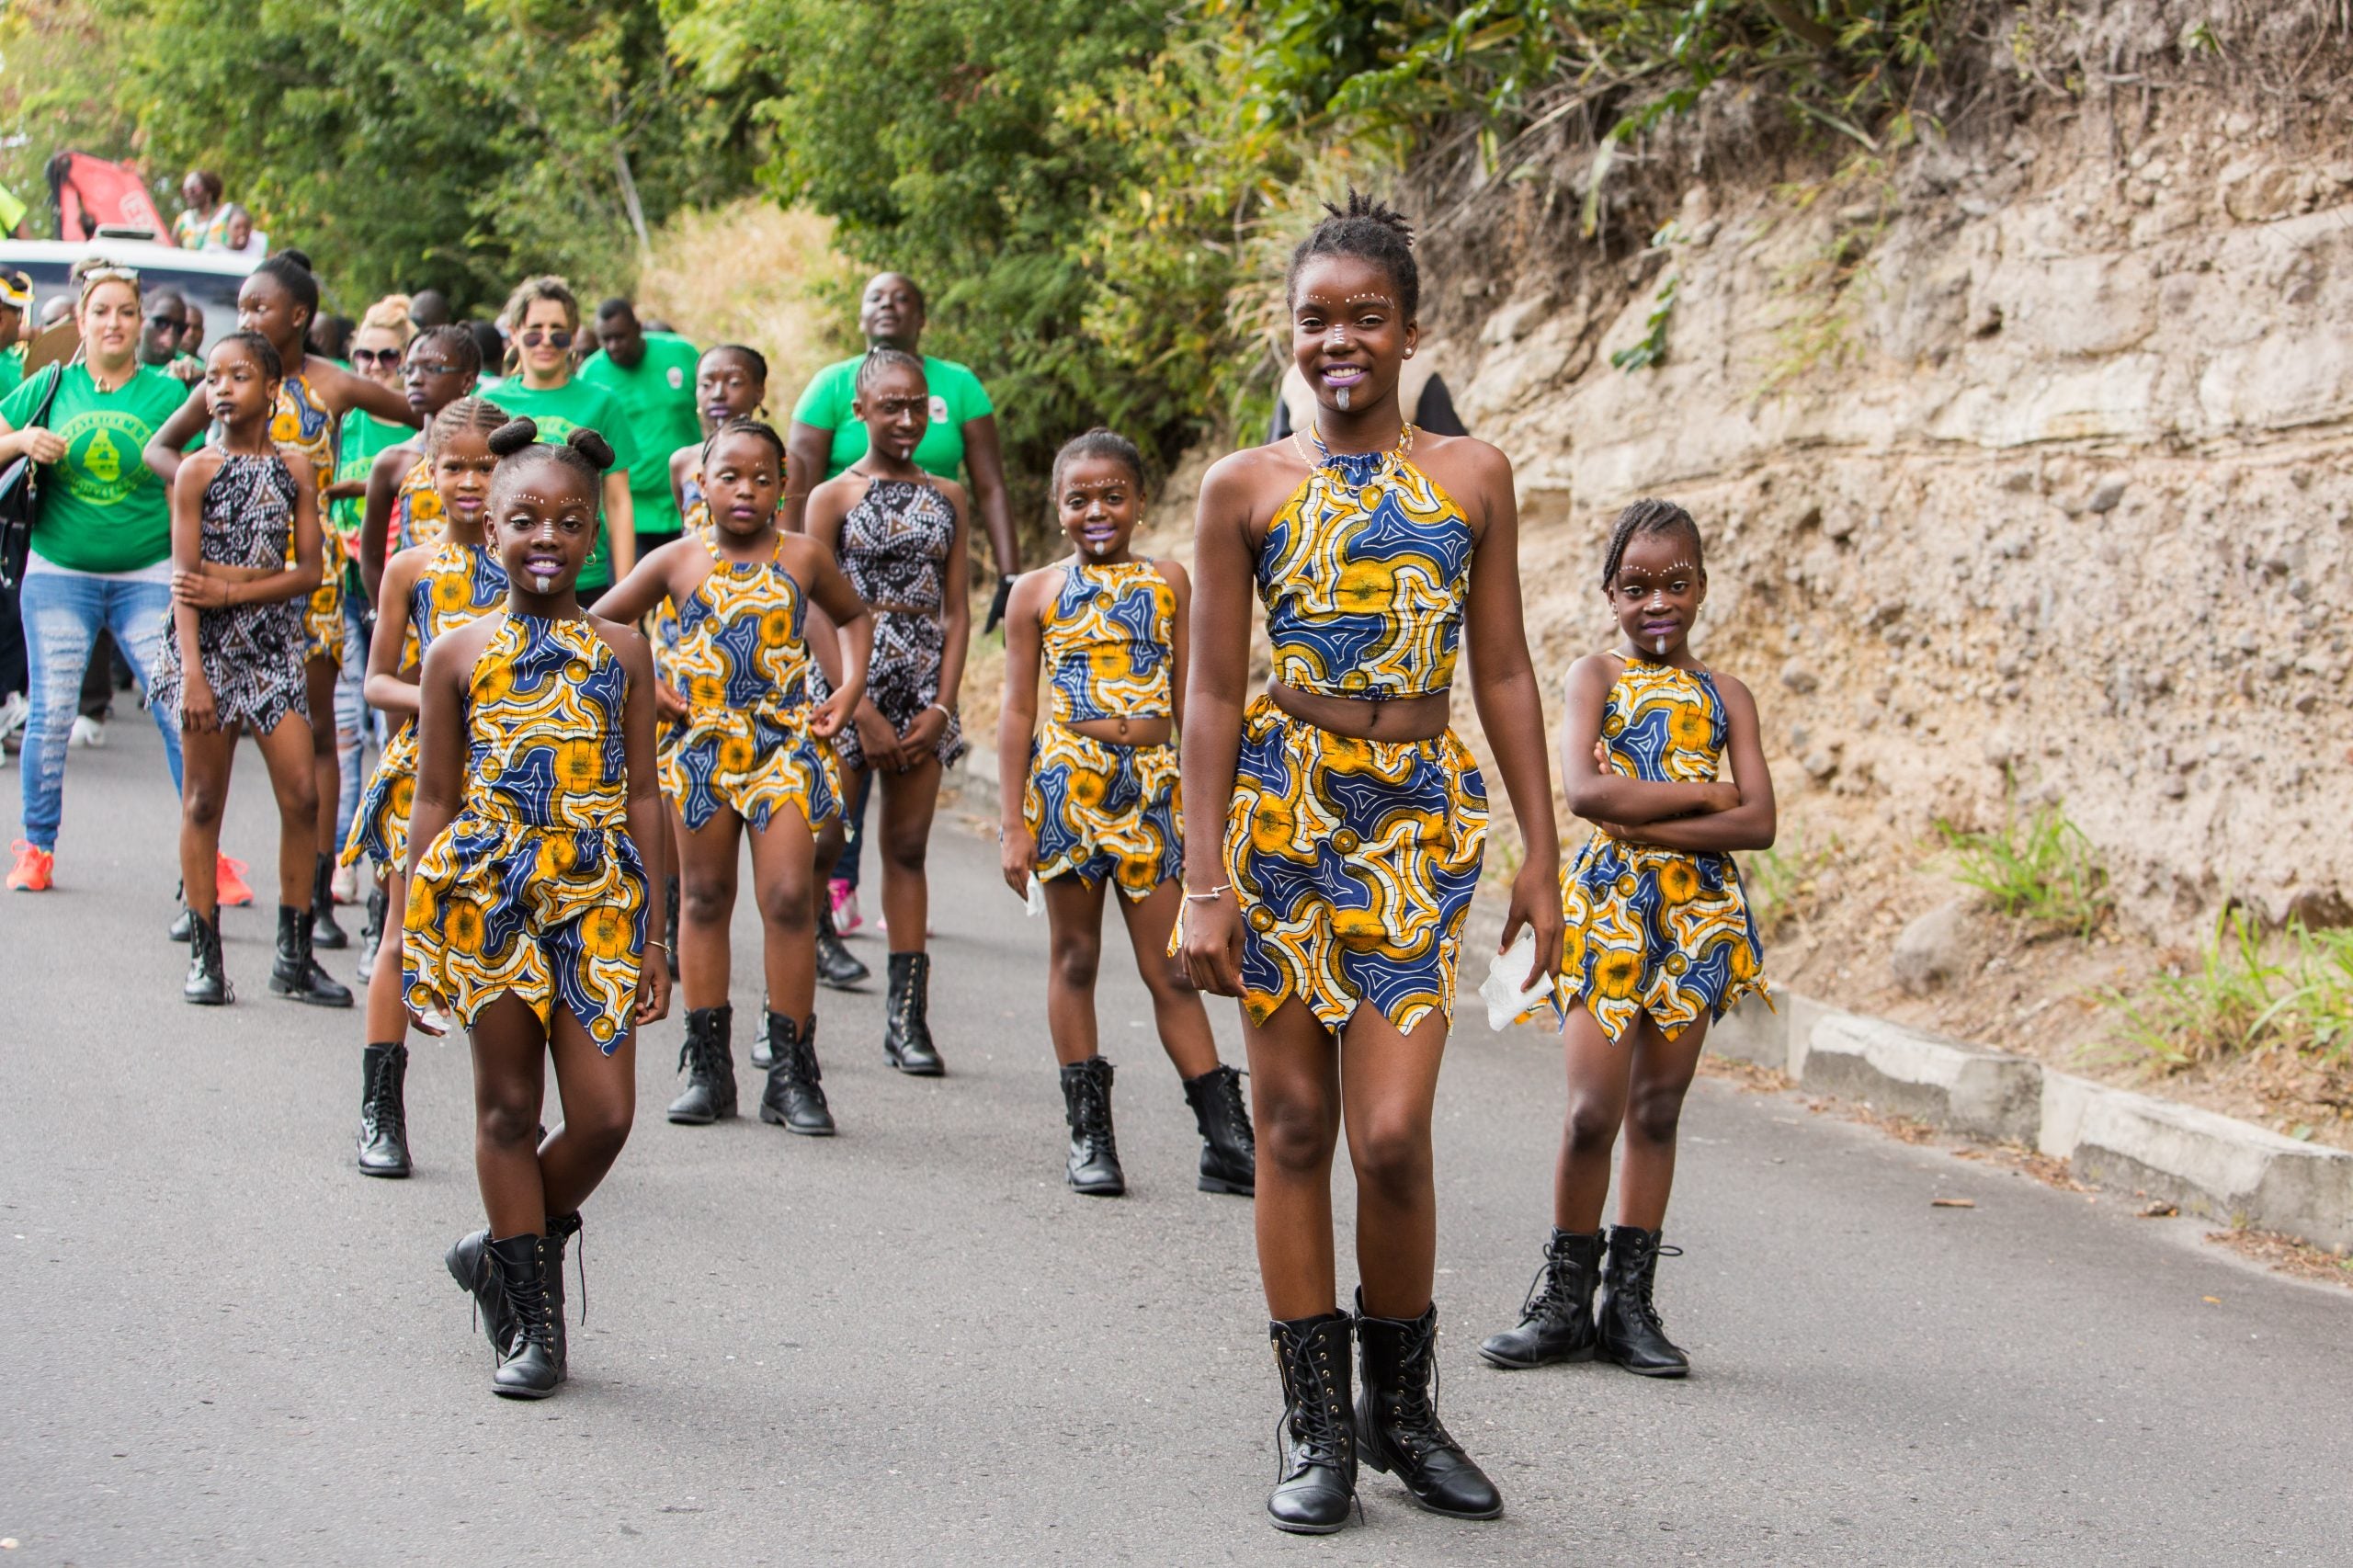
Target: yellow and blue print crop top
[[1110, 640], [1364, 573], [1664, 723]]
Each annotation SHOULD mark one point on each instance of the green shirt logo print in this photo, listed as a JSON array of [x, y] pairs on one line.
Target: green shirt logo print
[[102, 464]]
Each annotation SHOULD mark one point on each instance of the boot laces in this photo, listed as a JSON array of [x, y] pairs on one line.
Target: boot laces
[[1319, 1427], [1237, 1115], [572, 1228], [527, 1298], [1091, 1102], [384, 1107], [1639, 1277], [1414, 1402]]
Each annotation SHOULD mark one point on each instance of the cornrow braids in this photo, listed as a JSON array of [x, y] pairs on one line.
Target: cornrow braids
[[1647, 515], [878, 360], [744, 425], [1099, 442], [455, 340], [751, 357], [264, 351], [476, 413], [1370, 229]]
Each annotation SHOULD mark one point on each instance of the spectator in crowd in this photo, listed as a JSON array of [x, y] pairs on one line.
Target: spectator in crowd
[[192, 340], [652, 375], [330, 338], [203, 224], [240, 235], [15, 299], [428, 307]]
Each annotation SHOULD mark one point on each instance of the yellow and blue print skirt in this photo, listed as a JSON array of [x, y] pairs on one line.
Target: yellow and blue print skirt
[[1098, 810], [556, 915], [1655, 931], [323, 611], [752, 763], [379, 827], [1353, 862]]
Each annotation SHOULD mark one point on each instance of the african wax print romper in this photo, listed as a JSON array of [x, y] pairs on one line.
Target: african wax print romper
[[894, 549], [252, 655], [303, 424], [535, 886], [744, 663], [418, 517], [1354, 861], [460, 583], [1665, 931], [1096, 808]]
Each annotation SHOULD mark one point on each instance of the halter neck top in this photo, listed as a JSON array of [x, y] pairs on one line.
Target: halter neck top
[[418, 517], [302, 423], [545, 716], [1664, 723], [1109, 641], [894, 544], [1363, 575], [460, 583], [741, 644]]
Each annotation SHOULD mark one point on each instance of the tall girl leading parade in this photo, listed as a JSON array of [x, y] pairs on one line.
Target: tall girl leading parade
[[750, 758], [428, 590], [1332, 901], [528, 896], [244, 557], [1091, 803], [1660, 943], [901, 535]]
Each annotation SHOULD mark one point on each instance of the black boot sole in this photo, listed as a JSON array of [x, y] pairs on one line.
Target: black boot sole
[[204, 1001], [1226, 1185], [851, 985], [1566, 1358], [1428, 1507], [391, 1173], [1306, 1530], [776, 1118], [1649, 1372], [691, 1119], [916, 1070], [308, 998], [1097, 1188], [527, 1393]]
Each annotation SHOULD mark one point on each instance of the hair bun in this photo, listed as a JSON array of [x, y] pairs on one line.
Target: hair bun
[[512, 436], [589, 445], [301, 258]]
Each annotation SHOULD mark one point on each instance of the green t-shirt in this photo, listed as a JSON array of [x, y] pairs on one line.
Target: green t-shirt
[[658, 396], [12, 368], [956, 398], [363, 436], [102, 509], [559, 411]]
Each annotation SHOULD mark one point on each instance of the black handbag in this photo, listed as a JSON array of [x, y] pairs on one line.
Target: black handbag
[[20, 497]]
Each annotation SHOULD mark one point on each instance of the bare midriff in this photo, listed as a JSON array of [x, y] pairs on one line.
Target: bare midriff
[[1422, 718]]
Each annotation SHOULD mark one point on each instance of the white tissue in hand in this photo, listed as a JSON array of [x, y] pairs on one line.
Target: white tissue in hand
[[1506, 1001], [1036, 897]]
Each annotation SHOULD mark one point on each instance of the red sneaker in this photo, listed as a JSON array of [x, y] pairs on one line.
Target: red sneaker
[[229, 881], [35, 869]]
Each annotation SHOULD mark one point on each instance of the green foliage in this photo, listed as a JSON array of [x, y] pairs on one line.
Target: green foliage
[[2044, 869], [1652, 349], [1784, 883], [2241, 999], [61, 75]]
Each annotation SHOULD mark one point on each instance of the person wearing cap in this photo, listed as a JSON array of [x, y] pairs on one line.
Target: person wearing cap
[[16, 299]]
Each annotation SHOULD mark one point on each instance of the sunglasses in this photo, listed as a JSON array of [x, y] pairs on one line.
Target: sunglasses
[[384, 357], [99, 275], [536, 335]]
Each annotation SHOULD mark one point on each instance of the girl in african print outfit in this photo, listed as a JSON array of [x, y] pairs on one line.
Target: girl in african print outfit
[[426, 591], [245, 553], [1332, 903], [1660, 943], [1091, 801], [749, 755], [900, 534], [534, 873]]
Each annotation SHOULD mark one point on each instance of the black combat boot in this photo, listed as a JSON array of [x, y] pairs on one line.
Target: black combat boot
[[183, 924], [1397, 1426], [384, 1114], [1630, 1331], [1316, 1479], [471, 1264], [208, 981], [1094, 1164], [297, 974], [836, 966], [708, 1059], [794, 1100], [372, 933], [1229, 1153], [527, 1362], [562, 1228], [906, 1042], [325, 932], [1556, 1320]]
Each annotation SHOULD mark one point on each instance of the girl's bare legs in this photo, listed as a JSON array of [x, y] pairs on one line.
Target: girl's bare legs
[[206, 759], [1295, 1104], [706, 907], [784, 881], [319, 677], [598, 1094], [524, 1181], [289, 752], [1662, 1076], [387, 1003], [1638, 1084], [1177, 1009], [909, 800], [1389, 1085], [1074, 923]]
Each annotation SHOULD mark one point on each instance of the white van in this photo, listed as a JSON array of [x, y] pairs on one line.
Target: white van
[[209, 278]]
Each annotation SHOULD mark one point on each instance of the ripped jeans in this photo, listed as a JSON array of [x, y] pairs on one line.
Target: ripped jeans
[[62, 614]]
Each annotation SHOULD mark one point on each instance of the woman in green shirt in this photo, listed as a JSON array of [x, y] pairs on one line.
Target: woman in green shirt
[[542, 321]]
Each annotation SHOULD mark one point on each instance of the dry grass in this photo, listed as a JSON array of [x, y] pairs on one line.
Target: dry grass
[[752, 272], [2285, 1255]]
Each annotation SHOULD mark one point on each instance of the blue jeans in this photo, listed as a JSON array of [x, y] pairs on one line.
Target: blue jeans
[[350, 716], [62, 613]]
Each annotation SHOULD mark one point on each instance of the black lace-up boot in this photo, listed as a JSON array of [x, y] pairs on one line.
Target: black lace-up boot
[[471, 1264], [1556, 1320], [906, 1042], [325, 932], [1315, 1441], [183, 924], [562, 1229], [384, 1113], [794, 1100], [708, 1059], [1631, 1333], [836, 965], [527, 1367], [297, 974], [208, 980], [372, 933], [1229, 1152], [1397, 1426], [1094, 1165]]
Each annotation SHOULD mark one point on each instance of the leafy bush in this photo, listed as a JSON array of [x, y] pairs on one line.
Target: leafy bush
[[2241, 999], [2044, 869]]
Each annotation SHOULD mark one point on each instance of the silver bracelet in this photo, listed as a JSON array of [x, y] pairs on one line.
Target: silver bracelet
[[1212, 896], [945, 711]]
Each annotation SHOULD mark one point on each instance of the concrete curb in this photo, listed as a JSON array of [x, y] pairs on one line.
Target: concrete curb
[[2216, 1166]]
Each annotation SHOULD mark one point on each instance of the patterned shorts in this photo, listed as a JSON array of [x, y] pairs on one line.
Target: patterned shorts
[[1657, 932], [555, 915], [323, 611], [379, 827], [1098, 809], [1353, 862], [751, 766]]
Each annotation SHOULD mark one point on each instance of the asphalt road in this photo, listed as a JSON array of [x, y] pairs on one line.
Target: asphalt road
[[220, 1344]]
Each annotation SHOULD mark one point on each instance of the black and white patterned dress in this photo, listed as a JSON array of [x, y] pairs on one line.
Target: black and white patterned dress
[[252, 653], [893, 548]]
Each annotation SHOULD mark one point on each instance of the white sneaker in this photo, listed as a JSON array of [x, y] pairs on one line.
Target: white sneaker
[[14, 711], [88, 731]]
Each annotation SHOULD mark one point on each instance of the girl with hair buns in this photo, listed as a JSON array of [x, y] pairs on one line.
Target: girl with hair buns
[[1330, 893], [529, 897]]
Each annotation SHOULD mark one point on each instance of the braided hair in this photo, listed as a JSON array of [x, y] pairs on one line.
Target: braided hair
[[585, 454], [880, 359], [1099, 442], [457, 341], [759, 429], [1370, 229], [1647, 515], [750, 356], [264, 351], [475, 414]]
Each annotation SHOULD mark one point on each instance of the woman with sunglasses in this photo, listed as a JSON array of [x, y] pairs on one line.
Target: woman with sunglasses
[[542, 321]]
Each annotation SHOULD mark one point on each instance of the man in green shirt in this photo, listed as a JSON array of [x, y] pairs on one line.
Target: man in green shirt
[[652, 375]]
